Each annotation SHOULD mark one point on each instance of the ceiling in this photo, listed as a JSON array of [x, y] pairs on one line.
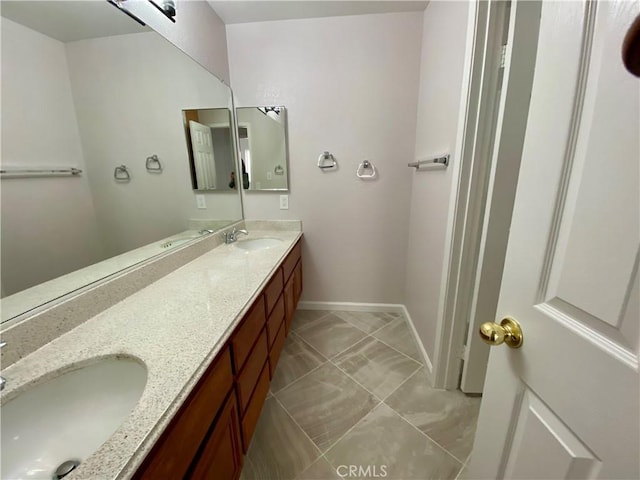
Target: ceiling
[[71, 20], [240, 11]]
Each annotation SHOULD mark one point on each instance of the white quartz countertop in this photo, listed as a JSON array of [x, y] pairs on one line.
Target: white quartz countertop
[[175, 326]]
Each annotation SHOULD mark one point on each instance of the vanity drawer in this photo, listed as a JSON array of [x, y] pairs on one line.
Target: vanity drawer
[[289, 263], [273, 290], [275, 320], [174, 452], [250, 373], [297, 283], [246, 334], [250, 418], [274, 355], [289, 304]]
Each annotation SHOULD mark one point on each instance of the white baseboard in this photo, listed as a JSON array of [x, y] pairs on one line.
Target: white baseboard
[[427, 361], [352, 307], [373, 307]]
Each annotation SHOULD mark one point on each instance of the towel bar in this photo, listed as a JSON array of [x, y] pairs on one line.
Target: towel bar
[[441, 161]]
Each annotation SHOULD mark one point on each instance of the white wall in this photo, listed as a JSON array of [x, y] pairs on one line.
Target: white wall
[[441, 72], [140, 84], [198, 31], [350, 86], [48, 224]]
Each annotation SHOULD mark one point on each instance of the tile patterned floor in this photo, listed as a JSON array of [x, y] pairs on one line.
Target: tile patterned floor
[[350, 391]]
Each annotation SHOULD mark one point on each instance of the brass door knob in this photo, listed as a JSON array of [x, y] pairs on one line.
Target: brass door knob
[[508, 332]]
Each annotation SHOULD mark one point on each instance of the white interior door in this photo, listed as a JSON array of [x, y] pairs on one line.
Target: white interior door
[[565, 405], [203, 156]]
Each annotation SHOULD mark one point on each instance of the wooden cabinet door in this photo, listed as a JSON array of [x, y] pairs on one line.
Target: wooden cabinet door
[[252, 414], [221, 457], [174, 452]]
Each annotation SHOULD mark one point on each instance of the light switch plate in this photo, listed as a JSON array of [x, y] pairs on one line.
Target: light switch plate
[[284, 202], [201, 202]]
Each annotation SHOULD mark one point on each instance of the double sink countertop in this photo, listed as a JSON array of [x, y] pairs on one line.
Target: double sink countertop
[[176, 326]]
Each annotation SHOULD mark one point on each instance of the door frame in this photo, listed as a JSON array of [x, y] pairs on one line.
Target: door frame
[[465, 221], [487, 180]]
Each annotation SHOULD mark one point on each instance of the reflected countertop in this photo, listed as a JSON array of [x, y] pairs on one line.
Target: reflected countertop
[[176, 326], [25, 300]]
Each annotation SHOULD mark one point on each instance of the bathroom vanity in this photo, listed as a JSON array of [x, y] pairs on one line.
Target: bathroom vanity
[[208, 335], [212, 430]]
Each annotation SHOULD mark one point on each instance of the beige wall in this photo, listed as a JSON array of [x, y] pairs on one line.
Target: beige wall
[[350, 86], [439, 101], [48, 224], [198, 32]]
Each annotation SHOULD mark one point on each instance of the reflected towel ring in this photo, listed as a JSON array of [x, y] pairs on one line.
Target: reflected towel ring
[[153, 164], [278, 170], [363, 167], [121, 174], [327, 160]]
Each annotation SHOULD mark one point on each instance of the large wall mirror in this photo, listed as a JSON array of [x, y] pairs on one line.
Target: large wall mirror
[[262, 136], [95, 173]]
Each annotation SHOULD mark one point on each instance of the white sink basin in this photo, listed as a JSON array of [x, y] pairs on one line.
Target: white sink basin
[[68, 417], [257, 243]]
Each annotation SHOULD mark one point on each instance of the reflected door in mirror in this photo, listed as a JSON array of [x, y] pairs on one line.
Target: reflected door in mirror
[[210, 147]]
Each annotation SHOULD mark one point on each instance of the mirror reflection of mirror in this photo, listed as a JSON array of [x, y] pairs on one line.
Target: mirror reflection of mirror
[[210, 146], [262, 138], [85, 87]]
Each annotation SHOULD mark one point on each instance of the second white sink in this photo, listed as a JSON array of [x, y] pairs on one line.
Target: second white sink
[[257, 243], [68, 417]]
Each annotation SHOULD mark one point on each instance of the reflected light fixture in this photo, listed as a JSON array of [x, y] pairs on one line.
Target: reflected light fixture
[[268, 110], [167, 7]]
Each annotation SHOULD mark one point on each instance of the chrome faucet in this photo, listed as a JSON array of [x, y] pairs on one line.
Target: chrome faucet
[[3, 381], [232, 236]]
